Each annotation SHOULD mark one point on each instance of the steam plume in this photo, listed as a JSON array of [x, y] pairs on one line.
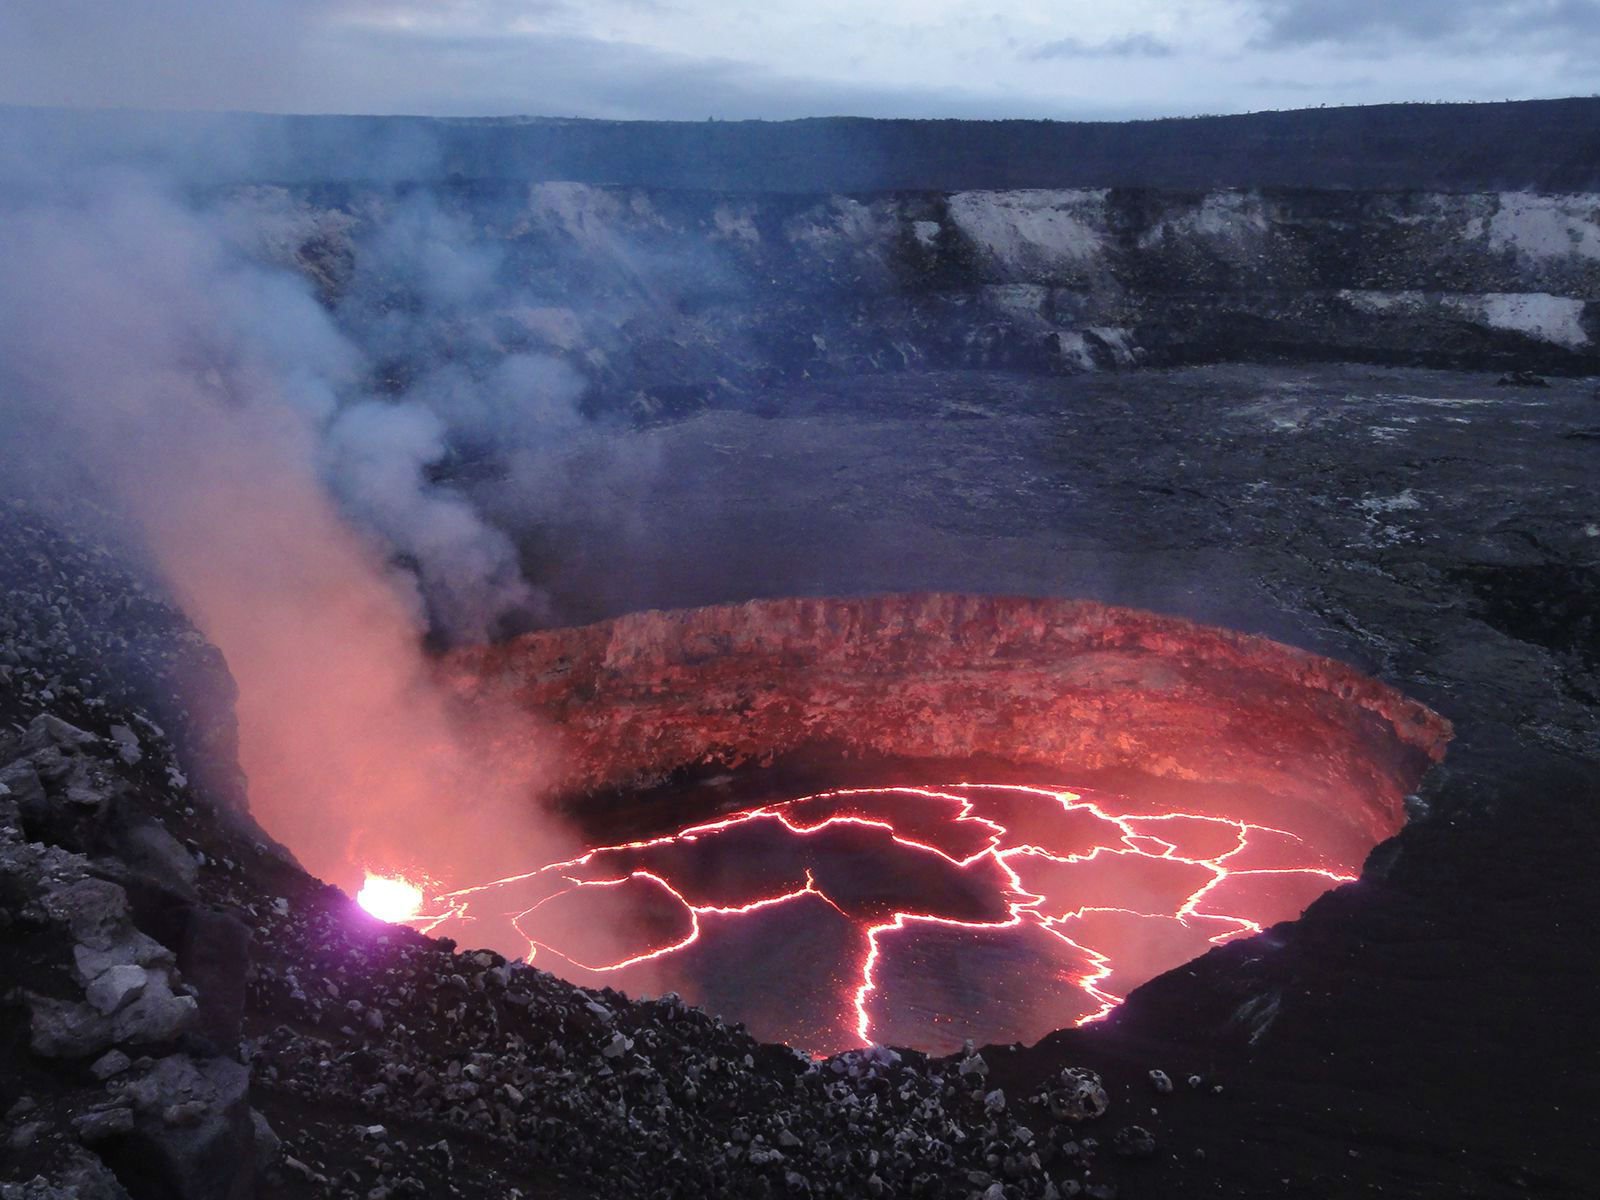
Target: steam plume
[[217, 406]]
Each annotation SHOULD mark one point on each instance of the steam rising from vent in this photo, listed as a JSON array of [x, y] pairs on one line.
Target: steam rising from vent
[[222, 421]]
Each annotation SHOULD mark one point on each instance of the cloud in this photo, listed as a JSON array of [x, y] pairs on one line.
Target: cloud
[[1308, 87], [155, 53], [1437, 24], [461, 58], [693, 59], [568, 75], [1133, 45]]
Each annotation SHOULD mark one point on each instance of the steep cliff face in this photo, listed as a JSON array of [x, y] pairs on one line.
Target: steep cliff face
[[1075, 689], [672, 300]]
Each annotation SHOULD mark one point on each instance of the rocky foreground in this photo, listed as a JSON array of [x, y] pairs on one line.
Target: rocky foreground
[[187, 1014]]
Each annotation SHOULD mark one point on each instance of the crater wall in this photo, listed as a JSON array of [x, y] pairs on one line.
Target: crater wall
[[670, 301], [1076, 689]]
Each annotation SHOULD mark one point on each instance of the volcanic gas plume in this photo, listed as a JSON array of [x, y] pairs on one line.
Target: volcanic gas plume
[[188, 403]]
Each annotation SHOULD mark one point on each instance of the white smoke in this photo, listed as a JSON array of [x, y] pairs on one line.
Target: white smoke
[[220, 410], [379, 454]]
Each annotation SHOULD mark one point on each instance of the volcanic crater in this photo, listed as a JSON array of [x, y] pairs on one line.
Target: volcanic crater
[[905, 819], [915, 819]]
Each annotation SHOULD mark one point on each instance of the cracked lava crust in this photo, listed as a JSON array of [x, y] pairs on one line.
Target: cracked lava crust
[[1035, 806]]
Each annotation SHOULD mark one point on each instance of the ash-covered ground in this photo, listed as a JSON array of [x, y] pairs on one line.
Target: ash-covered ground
[[1425, 1031]]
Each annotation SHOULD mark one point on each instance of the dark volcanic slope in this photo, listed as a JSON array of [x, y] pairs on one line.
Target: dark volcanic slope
[[1551, 145]]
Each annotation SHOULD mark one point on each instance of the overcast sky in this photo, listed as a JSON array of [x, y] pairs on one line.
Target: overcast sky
[[692, 59]]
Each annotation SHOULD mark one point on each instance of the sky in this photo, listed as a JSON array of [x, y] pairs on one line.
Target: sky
[[775, 59]]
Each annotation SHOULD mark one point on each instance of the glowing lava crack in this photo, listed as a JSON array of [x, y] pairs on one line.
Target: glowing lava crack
[[909, 915], [1229, 781]]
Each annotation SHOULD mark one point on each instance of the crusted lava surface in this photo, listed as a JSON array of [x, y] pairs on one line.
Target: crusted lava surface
[[1253, 778]]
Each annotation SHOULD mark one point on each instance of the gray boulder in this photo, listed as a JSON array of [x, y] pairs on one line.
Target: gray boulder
[[158, 1015], [195, 1136], [66, 1028], [46, 730], [117, 986], [93, 910], [79, 1029], [150, 851], [130, 947], [127, 744], [23, 782], [110, 1064], [103, 1124]]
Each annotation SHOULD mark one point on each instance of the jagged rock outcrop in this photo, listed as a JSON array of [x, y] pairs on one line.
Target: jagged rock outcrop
[[167, 1113], [88, 633], [120, 986]]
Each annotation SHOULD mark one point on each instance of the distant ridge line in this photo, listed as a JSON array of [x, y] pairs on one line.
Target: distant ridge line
[[1540, 145]]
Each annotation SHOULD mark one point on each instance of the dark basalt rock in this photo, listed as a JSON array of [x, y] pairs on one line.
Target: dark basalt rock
[[1522, 379], [193, 1134]]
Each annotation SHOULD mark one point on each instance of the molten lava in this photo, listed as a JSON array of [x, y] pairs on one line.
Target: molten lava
[[906, 915], [390, 899], [1234, 780]]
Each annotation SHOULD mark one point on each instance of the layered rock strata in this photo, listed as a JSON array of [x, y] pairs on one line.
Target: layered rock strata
[[1073, 688]]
